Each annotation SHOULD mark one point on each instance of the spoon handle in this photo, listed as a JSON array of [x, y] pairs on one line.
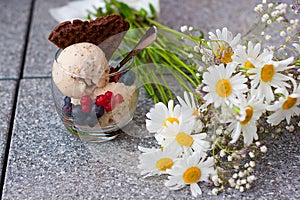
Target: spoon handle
[[149, 37]]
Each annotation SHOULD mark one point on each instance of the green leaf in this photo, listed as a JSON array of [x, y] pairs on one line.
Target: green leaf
[[152, 9]]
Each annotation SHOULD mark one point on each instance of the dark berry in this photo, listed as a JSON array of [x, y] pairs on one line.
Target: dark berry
[[91, 120], [78, 115], [128, 78], [67, 110], [67, 100], [99, 110]]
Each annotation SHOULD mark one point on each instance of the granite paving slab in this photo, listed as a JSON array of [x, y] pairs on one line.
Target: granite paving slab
[[13, 30], [40, 52], [45, 162], [7, 94]]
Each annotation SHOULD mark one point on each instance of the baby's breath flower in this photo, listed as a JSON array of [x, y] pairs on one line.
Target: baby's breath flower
[[282, 33], [183, 28], [248, 186], [242, 189], [270, 5], [263, 149], [268, 37], [252, 163], [251, 154], [259, 8], [215, 191]]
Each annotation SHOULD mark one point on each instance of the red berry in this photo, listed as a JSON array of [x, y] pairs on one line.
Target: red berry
[[101, 100], [108, 95], [118, 98], [86, 103], [85, 108], [86, 100], [108, 107]]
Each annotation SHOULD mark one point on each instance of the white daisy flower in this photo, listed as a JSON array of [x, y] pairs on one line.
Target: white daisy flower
[[285, 107], [189, 170], [251, 109], [223, 44], [161, 116], [222, 86], [180, 137], [156, 161], [189, 104], [243, 55], [266, 75], [226, 36]]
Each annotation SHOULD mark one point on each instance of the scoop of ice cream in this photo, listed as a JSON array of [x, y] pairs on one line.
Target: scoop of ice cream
[[79, 69]]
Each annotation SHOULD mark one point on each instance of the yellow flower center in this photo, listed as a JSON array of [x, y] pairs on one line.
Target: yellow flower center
[[184, 139], [223, 88], [196, 112], [289, 103], [249, 113], [267, 73], [249, 65], [224, 54], [192, 175], [164, 163], [172, 120]]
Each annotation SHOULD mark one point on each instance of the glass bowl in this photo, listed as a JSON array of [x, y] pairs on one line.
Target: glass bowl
[[93, 113]]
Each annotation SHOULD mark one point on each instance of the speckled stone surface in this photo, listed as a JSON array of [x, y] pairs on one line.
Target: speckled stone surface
[[40, 52], [45, 162], [13, 26], [7, 93]]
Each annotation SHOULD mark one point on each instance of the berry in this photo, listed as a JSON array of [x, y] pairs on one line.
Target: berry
[[86, 103], [118, 98], [104, 99], [99, 110], [67, 110], [108, 95], [67, 100], [128, 78], [91, 120], [108, 107]]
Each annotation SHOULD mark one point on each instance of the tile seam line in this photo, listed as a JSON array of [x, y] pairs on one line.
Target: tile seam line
[[15, 100]]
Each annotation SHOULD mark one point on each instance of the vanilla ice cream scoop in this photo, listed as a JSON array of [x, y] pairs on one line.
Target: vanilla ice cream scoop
[[79, 69]]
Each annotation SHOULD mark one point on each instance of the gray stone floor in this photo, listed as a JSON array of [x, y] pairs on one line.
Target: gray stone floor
[[44, 162]]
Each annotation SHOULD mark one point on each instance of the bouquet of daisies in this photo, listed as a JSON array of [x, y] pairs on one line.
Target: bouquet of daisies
[[215, 134]]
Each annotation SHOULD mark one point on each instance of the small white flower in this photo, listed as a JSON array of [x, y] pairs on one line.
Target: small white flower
[[285, 107], [252, 163], [215, 191], [162, 116], [183, 28], [266, 75], [156, 161], [222, 86], [268, 37], [263, 149], [189, 170], [282, 33]]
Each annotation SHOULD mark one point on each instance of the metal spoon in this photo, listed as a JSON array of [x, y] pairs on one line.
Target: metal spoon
[[147, 39]]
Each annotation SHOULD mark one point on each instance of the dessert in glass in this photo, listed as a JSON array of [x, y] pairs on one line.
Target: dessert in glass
[[91, 99]]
